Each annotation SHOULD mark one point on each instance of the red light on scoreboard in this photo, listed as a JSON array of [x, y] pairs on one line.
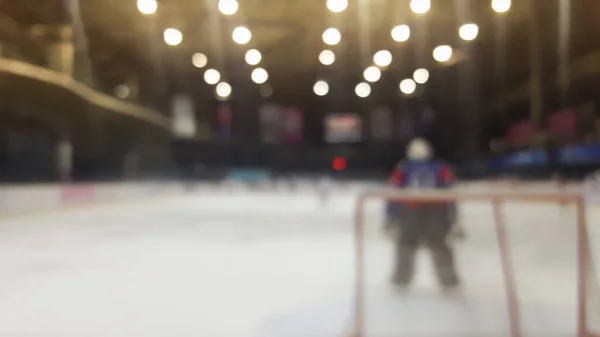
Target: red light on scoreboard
[[338, 163]]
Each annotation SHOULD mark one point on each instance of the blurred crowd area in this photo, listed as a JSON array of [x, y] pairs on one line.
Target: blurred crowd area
[[65, 118]]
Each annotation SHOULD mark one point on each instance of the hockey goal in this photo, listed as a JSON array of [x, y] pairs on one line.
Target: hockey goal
[[526, 269]]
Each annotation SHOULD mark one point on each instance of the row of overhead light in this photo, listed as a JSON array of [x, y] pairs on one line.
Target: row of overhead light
[[383, 58], [401, 33], [331, 36], [363, 89], [418, 6], [240, 35]]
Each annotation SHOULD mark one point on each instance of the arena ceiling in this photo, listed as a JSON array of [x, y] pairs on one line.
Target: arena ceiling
[[492, 69]]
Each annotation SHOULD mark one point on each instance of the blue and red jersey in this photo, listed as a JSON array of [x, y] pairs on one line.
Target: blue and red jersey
[[431, 174], [422, 175]]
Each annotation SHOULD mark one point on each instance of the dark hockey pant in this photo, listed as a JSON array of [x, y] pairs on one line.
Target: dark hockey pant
[[427, 225]]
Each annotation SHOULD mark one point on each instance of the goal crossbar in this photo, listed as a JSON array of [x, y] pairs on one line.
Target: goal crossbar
[[496, 198]]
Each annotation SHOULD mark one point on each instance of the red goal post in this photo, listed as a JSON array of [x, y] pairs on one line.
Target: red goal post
[[496, 198]]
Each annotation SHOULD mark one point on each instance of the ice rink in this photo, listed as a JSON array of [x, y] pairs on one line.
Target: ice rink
[[225, 264]]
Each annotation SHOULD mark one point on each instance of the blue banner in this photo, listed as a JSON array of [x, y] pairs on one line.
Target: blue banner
[[248, 175], [586, 153], [527, 158]]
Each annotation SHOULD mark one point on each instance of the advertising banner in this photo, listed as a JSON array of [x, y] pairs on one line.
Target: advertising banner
[[521, 132], [271, 121], [528, 158], [224, 120], [77, 194], [343, 128], [579, 154], [381, 124], [563, 123], [183, 117], [292, 124]]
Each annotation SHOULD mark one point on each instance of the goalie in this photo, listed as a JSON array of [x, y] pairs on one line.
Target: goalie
[[425, 223]]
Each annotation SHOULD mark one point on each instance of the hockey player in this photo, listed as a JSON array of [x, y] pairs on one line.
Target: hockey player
[[426, 223]]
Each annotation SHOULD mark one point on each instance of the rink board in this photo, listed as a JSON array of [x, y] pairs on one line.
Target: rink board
[[271, 263]]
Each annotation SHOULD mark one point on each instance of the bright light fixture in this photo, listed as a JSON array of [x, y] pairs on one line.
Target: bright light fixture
[[327, 57], [228, 7], [372, 74], [382, 58], [253, 57], [420, 6], [241, 35], [401, 33], [212, 76], [223, 90], [199, 60], [321, 88], [468, 32], [147, 7], [362, 89], [421, 76], [259, 76], [501, 6], [332, 36], [442, 53], [408, 86], [172, 36], [337, 6]]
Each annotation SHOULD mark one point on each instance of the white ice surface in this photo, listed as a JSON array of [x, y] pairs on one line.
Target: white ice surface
[[266, 265]]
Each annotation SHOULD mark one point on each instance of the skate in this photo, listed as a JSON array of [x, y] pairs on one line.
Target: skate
[[448, 278], [401, 279], [445, 270], [458, 232]]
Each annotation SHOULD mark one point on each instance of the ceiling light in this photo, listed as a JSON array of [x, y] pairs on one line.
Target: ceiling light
[[442, 53], [420, 6], [382, 58], [337, 6], [501, 6], [408, 86], [362, 90], [212, 76], [327, 57], [259, 76], [372, 74], [421, 76], [228, 7], [199, 60], [332, 36], [241, 35], [401, 33], [468, 32], [223, 90], [147, 6], [253, 57], [321, 88], [172, 36]]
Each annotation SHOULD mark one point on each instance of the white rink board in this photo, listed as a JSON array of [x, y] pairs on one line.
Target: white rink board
[[268, 263]]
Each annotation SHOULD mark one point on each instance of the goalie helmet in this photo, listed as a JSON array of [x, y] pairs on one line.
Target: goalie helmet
[[419, 149]]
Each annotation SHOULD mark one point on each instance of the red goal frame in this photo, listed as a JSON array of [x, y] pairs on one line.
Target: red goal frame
[[496, 199]]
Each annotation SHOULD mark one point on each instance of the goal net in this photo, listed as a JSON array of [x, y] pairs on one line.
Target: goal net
[[526, 268]]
